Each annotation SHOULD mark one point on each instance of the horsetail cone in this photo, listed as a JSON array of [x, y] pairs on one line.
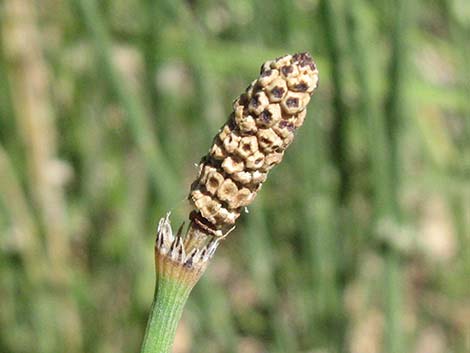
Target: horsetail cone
[[252, 141]]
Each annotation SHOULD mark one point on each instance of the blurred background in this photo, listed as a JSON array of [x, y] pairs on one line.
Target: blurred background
[[359, 241]]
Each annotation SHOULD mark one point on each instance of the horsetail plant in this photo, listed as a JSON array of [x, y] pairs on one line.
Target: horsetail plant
[[252, 141]]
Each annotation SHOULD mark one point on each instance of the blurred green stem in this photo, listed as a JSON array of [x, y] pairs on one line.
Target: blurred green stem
[[165, 313], [333, 17], [162, 175], [384, 146], [395, 105]]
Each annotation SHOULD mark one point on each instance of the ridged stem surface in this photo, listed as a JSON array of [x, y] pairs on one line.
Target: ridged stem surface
[[167, 307]]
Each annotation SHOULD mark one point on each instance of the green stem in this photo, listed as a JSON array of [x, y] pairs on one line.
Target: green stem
[[334, 19], [384, 144], [168, 303], [137, 118]]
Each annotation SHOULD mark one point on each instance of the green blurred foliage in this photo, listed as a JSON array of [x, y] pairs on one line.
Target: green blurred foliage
[[360, 240]]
